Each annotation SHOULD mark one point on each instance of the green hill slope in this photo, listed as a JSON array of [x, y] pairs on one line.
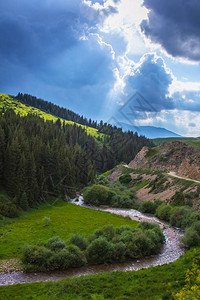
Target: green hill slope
[[189, 140], [9, 102]]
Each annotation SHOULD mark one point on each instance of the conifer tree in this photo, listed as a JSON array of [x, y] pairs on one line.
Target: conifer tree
[[23, 201], [2, 151]]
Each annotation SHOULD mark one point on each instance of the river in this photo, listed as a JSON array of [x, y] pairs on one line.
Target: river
[[170, 252]]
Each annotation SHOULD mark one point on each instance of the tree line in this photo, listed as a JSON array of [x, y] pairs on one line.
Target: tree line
[[39, 158], [55, 110]]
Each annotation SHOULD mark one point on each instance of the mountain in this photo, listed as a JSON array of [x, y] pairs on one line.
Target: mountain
[[150, 132], [178, 156]]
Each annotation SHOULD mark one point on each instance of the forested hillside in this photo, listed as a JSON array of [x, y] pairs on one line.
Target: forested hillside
[[113, 145], [39, 158], [10, 102], [122, 145], [56, 110]]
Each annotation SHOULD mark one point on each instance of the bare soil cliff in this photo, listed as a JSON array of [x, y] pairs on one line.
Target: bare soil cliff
[[177, 156]]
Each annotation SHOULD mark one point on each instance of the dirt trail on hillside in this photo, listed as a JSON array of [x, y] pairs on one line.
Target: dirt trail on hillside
[[173, 174]]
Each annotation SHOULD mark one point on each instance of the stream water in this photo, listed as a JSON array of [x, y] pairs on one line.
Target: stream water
[[170, 252]]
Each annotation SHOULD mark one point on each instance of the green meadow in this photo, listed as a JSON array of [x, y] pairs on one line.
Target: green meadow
[[65, 220], [190, 140]]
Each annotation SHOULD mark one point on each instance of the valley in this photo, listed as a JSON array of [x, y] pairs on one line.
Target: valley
[[126, 180]]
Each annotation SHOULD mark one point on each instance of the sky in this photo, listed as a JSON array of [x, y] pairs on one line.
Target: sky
[[132, 61]]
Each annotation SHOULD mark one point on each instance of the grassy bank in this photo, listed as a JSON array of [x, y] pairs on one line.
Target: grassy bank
[[65, 220], [153, 283]]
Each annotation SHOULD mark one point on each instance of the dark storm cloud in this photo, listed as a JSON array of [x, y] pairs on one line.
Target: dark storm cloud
[[32, 43], [49, 49], [175, 24], [152, 81], [36, 32]]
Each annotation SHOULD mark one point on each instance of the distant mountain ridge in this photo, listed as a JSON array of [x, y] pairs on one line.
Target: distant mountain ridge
[[150, 132]]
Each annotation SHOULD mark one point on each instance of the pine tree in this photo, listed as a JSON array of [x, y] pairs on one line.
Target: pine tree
[[2, 150], [23, 201], [12, 158]]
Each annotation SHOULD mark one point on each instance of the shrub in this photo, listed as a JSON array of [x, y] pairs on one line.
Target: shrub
[[191, 238], [147, 239], [36, 255], [55, 244], [163, 212], [96, 195], [79, 241], [156, 241], [147, 225], [139, 246], [7, 207], [183, 216], [100, 251], [46, 221], [119, 251], [66, 258], [178, 199], [192, 217], [157, 202], [125, 179], [126, 236], [102, 179], [123, 228], [192, 235], [108, 231], [77, 257], [125, 202], [160, 236], [196, 226], [59, 260], [147, 207]]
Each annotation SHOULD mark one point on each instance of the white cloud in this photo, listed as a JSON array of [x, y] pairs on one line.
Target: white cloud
[[181, 86], [126, 22]]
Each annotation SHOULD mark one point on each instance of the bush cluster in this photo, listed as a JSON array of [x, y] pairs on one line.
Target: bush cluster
[[192, 235], [178, 216], [7, 207], [149, 206], [183, 217], [54, 255], [117, 195], [105, 245], [124, 179]]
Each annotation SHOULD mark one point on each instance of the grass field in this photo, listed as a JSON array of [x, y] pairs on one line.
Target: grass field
[[66, 219], [191, 140], [8, 102], [152, 283]]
